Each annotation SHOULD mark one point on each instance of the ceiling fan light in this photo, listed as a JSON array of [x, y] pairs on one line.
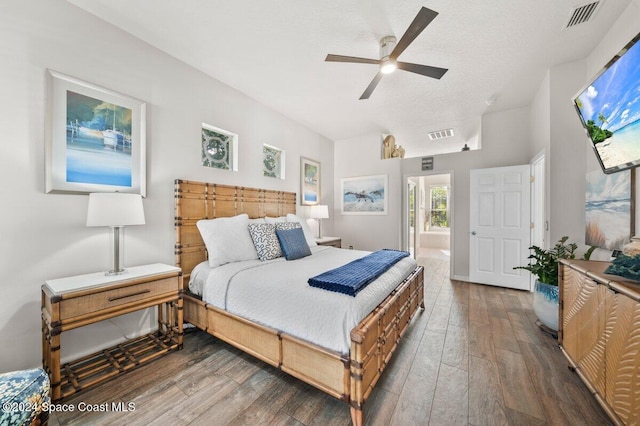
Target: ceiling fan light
[[388, 66]]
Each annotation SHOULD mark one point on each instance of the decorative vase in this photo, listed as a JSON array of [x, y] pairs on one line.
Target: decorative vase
[[545, 304]]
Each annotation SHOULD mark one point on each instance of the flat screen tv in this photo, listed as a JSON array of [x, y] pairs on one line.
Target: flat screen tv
[[609, 108]]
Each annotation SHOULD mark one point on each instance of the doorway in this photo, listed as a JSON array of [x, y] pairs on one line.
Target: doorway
[[429, 216]]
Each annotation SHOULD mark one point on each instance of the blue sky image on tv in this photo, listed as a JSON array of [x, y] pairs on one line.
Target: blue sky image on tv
[[610, 111]]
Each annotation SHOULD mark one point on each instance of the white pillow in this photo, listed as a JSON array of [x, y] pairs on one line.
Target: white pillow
[[308, 235], [227, 239], [273, 220]]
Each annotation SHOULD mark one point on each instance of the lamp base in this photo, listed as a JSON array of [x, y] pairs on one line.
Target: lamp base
[[117, 238]]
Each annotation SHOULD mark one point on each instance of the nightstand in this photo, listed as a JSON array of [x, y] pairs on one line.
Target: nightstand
[[330, 241], [73, 302]]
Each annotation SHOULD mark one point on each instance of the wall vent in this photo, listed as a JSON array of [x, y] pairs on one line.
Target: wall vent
[[581, 14], [441, 134]]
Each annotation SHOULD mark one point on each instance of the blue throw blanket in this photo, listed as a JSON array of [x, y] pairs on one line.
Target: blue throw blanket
[[354, 276]]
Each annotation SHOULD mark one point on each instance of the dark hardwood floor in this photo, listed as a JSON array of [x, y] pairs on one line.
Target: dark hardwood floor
[[473, 357]]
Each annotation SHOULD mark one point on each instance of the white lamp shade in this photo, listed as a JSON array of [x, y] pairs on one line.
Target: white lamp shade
[[115, 209], [319, 212]]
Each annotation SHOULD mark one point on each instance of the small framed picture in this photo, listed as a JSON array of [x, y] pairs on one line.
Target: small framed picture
[[365, 195], [309, 182], [219, 148], [273, 161], [95, 139]]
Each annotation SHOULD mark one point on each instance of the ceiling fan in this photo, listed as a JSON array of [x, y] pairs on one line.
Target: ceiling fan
[[389, 52]]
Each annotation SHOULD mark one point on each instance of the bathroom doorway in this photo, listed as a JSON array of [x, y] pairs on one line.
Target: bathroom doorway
[[430, 216]]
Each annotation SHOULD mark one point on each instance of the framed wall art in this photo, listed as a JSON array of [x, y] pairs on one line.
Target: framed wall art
[[365, 195], [273, 161], [95, 139], [609, 209], [309, 182], [219, 148]]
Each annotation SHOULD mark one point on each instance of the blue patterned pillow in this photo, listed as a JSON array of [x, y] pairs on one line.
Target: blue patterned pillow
[[293, 244], [265, 240]]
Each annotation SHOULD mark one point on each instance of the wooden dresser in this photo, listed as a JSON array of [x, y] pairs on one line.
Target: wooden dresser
[[599, 333]]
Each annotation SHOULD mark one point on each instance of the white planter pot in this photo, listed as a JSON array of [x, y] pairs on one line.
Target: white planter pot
[[545, 304]]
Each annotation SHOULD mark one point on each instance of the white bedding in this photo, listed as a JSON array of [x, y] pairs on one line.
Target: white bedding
[[275, 293]]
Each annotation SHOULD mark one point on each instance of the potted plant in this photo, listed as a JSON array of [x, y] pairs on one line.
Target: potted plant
[[545, 267]]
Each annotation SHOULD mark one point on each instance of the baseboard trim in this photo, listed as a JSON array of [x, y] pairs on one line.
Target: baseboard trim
[[461, 278]]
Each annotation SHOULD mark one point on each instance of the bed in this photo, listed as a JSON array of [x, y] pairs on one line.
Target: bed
[[347, 375]]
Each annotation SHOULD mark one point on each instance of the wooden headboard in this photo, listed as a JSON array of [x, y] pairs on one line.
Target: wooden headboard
[[201, 200]]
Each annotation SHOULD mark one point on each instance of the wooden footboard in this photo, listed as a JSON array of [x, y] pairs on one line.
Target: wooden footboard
[[350, 379], [376, 338]]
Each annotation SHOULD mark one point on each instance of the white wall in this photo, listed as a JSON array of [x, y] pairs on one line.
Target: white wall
[[44, 235], [567, 159], [505, 141], [361, 157], [569, 155], [508, 138], [514, 137]]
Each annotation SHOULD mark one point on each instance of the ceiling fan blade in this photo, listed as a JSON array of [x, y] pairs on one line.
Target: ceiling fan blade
[[433, 72], [371, 86], [420, 22], [352, 59]]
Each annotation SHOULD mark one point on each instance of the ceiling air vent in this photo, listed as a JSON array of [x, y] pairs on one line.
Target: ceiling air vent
[[441, 134], [582, 14]]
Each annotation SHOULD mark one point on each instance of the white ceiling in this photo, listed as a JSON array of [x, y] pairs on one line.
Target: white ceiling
[[274, 52]]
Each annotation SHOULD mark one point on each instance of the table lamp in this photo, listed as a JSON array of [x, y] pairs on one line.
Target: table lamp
[[115, 210], [319, 212]]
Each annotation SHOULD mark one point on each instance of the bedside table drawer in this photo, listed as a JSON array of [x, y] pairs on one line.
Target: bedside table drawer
[[98, 301]]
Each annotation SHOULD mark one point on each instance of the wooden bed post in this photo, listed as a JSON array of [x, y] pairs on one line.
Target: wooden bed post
[[356, 416]]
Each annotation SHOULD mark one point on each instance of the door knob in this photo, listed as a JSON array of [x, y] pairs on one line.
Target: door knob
[[473, 232]]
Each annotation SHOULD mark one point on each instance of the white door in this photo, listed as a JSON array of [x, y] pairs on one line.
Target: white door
[[500, 226]]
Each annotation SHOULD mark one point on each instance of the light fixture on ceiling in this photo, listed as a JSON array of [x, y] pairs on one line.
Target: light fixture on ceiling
[[390, 50], [466, 148], [387, 65], [491, 100]]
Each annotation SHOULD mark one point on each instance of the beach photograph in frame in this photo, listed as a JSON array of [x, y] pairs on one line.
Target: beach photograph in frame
[[365, 195], [219, 148], [309, 182], [273, 161], [608, 209], [95, 139]]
